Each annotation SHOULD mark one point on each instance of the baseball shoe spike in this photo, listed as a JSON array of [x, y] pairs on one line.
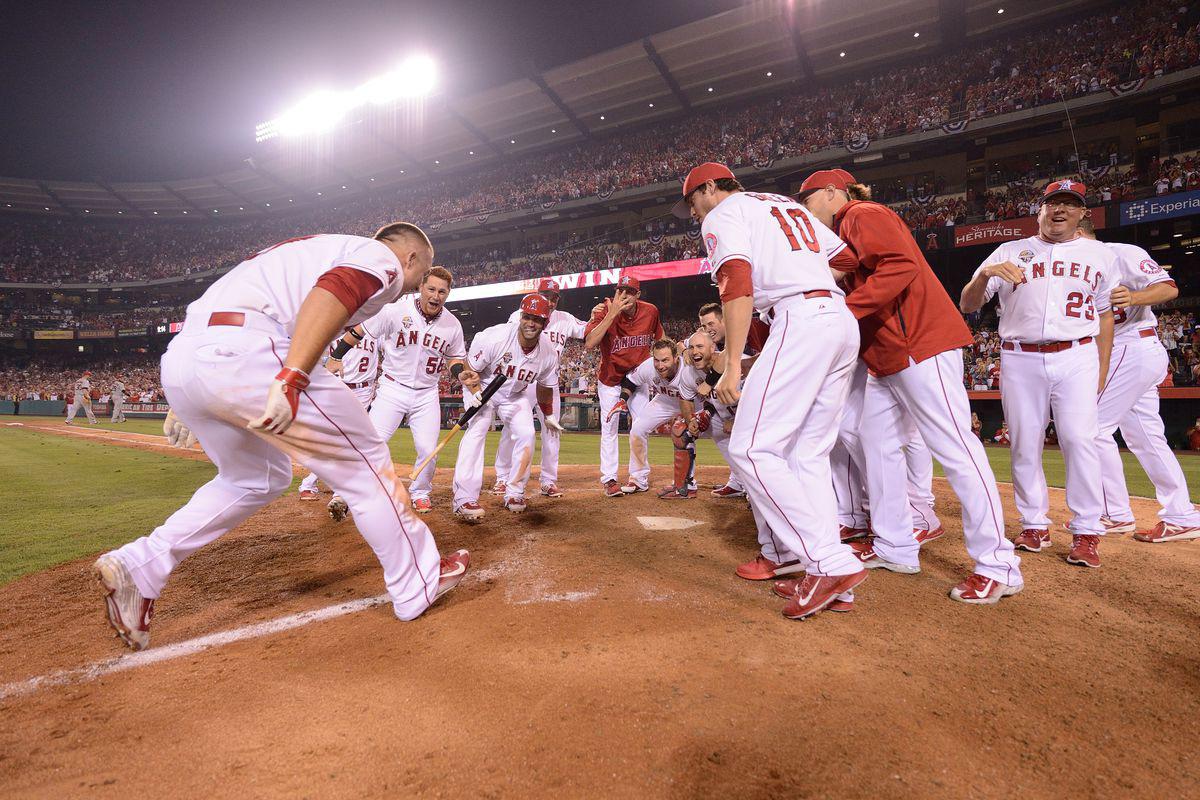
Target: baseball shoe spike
[[309, 494], [612, 489], [1118, 526], [338, 509], [422, 505], [1166, 532], [632, 488], [865, 552], [128, 612], [1033, 540], [983, 591], [816, 592], [551, 490], [469, 512], [515, 504], [1085, 550], [763, 569], [453, 570]]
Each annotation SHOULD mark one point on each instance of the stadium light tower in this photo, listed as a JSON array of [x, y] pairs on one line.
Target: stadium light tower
[[416, 77]]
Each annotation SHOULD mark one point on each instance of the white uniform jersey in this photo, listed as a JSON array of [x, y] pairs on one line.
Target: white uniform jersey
[[361, 362], [1066, 288], [82, 388], [414, 347], [276, 281], [562, 326], [1137, 271], [496, 351], [683, 385], [118, 389], [788, 249]]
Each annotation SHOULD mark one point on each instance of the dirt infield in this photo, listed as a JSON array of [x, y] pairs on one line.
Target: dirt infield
[[585, 655]]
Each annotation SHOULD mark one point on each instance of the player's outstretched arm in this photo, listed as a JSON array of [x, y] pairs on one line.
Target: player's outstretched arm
[[348, 342], [974, 294]]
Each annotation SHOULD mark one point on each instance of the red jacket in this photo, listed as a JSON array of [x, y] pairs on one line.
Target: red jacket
[[902, 309]]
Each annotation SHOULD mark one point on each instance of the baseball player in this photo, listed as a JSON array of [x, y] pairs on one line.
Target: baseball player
[[623, 327], [912, 344], [117, 392], [562, 326], [274, 314], [358, 367], [82, 399], [667, 386], [518, 351], [1130, 401], [416, 338], [771, 255], [1056, 328]]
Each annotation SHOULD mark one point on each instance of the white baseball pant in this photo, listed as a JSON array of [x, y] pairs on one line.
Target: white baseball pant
[[932, 394], [74, 407], [716, 432], [610, 449], [1065, 383], [787, 422], [551, 441], [216, 380], [1130, 401], [118, 410], [650, 415], [517, 416], [393, 402], [364, 395]]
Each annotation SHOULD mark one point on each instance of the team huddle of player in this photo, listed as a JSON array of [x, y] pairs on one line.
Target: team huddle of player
[[828, 375]]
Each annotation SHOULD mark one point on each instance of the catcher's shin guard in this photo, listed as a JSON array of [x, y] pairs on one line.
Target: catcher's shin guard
[[685, 454]]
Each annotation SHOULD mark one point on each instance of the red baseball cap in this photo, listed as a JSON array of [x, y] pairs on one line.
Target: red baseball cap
[[536, 306], [1073, 188], [547, 285], [708, 171], [838, 178], [631, 282]]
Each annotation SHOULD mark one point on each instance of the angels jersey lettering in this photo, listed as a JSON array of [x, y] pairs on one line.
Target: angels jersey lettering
[[788, 249], [562, 326], [82, 387], [414, 347], [361, 363], [1066, 288], [1136, 270], [276, 281], [683, 385], [495, 351]]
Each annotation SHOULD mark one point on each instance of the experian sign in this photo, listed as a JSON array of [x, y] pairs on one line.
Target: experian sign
[[1164, 207]]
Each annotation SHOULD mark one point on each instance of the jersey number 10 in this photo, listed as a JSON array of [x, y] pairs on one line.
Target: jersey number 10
[[801, 223]]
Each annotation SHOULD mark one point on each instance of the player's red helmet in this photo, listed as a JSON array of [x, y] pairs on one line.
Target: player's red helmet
[[536, 306], [547, 285]]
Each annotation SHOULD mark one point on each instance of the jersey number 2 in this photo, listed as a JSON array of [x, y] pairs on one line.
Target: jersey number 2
[[801, 223], [1076, 301]]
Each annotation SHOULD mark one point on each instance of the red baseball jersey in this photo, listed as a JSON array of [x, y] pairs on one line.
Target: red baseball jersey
[[627, 341]]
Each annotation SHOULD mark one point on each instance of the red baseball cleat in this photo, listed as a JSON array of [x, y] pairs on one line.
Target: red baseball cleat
[[1035, 540], [453, 570], [612, 489], [551, 490], [422, 505], [1085, 550], [128, 612], [849, 534], [469, 512], [632, 488], [842, 603], [726, 491], [1118, 526], [924, 537], [671, 493], [763, 568], [816, 592], [515, 504], [499, 488], [309, 494], [1166, 532], [983, 591], [865, 552]]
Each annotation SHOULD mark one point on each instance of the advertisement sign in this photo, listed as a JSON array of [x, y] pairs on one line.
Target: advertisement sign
[[1164, 207], [54, 334], [994, 232], [131, 332], [9, 334], [577, 280], [108, 334]]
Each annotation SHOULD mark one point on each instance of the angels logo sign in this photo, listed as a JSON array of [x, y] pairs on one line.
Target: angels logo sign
[[391, 275], [710, 242], [407, 321], [1150, 267], [507, 357], [1026, 256]]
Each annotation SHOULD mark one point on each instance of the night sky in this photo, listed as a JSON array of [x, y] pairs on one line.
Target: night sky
[[166, 90]]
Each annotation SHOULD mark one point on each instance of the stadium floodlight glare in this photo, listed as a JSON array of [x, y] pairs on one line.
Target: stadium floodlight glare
[[415, 77]]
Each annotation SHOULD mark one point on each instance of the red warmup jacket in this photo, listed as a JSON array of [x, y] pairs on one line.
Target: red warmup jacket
[[902, 310]]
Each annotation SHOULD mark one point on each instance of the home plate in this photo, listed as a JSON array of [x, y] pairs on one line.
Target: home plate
[[668, 523]]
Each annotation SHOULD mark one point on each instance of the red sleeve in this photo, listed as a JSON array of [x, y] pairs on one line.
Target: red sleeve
[[733, 280], [756, 338], [658, 328], [352, 287], [887, 251], [845, 260]]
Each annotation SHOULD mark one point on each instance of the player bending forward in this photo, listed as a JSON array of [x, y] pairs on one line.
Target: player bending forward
[[1056, 331], [562, 326], [770, 254], [358, 367], [518, 351], [273, 315], [1130, 401]]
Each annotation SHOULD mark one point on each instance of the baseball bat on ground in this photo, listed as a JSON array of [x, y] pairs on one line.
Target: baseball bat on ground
[[488, 391]]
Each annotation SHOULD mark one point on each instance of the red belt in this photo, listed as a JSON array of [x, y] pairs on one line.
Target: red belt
[[1146, 333], [362, 385], [806, 296], [1050, 347], [234, 318]]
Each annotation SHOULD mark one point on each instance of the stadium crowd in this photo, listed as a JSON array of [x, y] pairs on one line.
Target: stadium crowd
[[1013, 73], [52, 377]]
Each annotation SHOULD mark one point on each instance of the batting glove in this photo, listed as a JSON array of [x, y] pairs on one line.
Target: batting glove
[[553, 424], [178, 434], [283, 401], [619, 408]]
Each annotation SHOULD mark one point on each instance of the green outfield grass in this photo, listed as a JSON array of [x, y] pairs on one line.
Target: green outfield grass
[[69, 498]]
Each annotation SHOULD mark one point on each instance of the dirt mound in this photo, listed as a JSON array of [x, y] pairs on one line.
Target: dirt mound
[[586, 655]]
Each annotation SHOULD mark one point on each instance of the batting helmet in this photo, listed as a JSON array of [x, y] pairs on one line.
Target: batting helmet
[[536, 306]]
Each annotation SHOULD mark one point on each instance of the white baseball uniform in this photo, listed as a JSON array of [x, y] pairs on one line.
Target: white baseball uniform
[[497, 351], [82, 399], [1130, 401], [562, 326], [1065, 290], [216, 374], [413, 349], [661, 404], [360, 372], [792, 400], [721, 414], [118, 401]]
